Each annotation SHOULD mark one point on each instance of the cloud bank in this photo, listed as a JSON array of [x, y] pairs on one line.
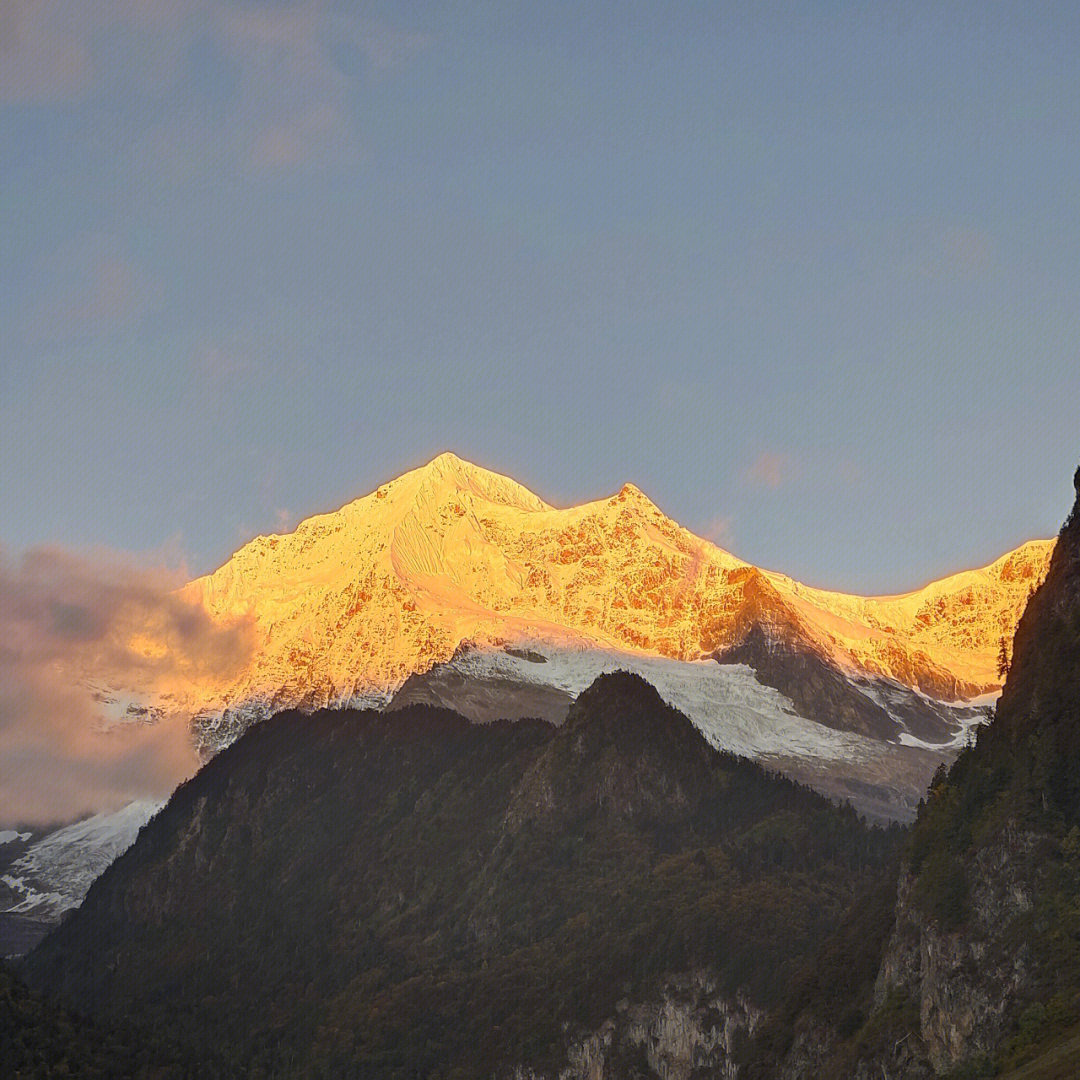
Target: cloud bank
[[81, 639]]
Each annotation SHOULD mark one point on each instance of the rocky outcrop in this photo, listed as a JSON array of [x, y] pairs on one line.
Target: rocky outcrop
[[984, 948], [962, 982], [690, 1032], [974, 967]]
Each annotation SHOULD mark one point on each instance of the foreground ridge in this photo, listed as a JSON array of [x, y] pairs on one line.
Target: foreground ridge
[[473, 900]]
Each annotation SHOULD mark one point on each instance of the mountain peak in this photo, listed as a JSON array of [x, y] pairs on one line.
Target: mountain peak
[[448, 472], [389, 585], [449, 464], [632, 495], [631, 491]]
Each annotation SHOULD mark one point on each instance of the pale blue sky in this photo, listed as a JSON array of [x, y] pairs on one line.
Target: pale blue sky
[[808, 274]]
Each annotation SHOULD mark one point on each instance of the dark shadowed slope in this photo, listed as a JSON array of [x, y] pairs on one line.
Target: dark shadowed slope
[[409, 893], [978, 966], [38, 1039]]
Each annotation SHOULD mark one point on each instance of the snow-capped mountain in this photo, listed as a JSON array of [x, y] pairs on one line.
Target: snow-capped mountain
[[456, 586], [352, 603], [429, 586]]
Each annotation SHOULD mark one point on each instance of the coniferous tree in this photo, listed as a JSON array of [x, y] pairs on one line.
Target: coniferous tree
[[1003, 658]]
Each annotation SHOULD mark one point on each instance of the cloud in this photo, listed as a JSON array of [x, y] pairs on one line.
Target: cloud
[[956, 253], [292, 72], [90, 288], [317, 134], [819, 469], [720, 531], [847, 472], [771, 469], [309, 41], [385, 47], [84, 641], [55, 51], [221, 368], [41, 57], [299, 65]]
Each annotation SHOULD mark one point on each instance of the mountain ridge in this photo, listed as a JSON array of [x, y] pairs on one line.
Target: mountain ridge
[[457, 586], [352, 602], [973, 969]]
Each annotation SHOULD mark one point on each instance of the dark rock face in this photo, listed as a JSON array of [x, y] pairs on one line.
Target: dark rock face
[[770, 637], [482, 699], [383, 894], [40, 1039], [1042, 691], [985, 926], [816, 688]]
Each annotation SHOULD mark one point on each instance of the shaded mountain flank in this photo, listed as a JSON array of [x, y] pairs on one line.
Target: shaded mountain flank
[[40, 1040], [974, 969], [410, 894]]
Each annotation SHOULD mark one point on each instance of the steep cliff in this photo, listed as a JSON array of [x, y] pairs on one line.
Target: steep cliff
[[980, 968]]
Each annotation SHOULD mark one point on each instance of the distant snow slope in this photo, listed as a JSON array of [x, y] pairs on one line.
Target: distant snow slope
[[727, 703], [734, 710], [53, 873]]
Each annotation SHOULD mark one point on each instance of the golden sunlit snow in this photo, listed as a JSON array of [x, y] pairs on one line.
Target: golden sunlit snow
[[352, 602]]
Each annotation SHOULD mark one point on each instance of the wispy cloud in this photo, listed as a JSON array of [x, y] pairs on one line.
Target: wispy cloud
[[297, 65], [89, 288], [42, 58], [71, 626], [221, 367], [54, 51], [317, 134], [720, 531], [771, 469], [956, 252], [776, 469]]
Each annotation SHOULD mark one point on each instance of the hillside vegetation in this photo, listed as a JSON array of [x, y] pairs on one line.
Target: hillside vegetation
[[418, 896]]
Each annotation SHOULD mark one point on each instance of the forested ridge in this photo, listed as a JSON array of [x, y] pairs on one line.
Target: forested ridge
[[970, 967], [414, 895]]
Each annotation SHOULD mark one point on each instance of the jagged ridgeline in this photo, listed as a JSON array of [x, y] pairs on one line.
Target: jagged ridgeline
[[356, 893], [976, 970]]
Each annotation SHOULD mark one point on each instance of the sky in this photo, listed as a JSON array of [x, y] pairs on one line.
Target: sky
[[807, 274]]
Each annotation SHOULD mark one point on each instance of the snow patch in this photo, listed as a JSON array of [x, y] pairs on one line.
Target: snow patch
[[54, 874], [726, 702]]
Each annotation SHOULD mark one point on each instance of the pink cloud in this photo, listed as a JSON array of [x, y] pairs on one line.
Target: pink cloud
[[293, 93], [775, 469], [771, 469], [75, 632], [957, 252], [316, 134], [41, 56], [386, 47], [90, 288], [719, 531]]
